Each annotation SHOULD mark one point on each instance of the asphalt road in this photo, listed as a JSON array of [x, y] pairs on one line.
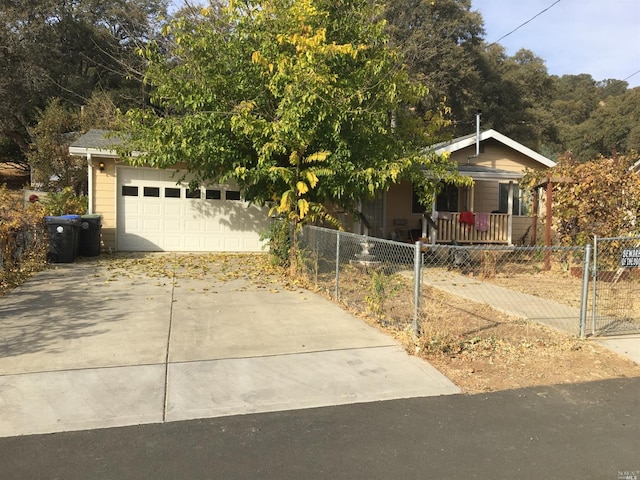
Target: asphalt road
[[583, 431]]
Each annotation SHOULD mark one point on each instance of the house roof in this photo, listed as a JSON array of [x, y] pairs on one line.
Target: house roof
[[96, 142], [478, 172], [469, 140]]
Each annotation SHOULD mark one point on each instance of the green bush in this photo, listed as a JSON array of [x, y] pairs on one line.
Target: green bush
[[279, 241], [65, 202]]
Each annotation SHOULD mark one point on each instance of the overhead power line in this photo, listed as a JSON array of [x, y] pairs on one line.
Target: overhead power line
[[632, 75], [523, 24]]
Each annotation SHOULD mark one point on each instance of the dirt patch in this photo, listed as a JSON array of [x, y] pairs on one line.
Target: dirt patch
[[483, 350]]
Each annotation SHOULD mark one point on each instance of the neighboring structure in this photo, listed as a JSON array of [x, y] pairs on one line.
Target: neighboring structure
[[149, 209], [493, 210]]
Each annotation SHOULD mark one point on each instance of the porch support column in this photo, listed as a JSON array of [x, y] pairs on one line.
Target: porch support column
[[534, 220], [433, 233], [472, 195], [510, 213], [90, 183]]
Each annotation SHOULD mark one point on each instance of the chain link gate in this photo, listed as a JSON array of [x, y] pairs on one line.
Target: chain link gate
[[616, 286]]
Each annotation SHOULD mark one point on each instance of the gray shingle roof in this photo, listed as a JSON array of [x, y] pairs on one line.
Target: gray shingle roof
[[98, 139]]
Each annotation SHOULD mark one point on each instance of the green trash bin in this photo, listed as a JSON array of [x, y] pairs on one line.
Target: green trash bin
[[89, 238], [63, 238]]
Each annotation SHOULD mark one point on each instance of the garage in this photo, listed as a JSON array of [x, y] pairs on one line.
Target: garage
[[156, 212]]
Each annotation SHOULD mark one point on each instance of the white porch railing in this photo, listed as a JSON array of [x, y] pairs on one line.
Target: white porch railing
[[451, 229]]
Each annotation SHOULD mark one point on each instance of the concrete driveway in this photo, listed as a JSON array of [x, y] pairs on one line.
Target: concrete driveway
[[102, 343]]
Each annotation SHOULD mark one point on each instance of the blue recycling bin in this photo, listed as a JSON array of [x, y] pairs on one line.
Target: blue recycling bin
[[63, 238]]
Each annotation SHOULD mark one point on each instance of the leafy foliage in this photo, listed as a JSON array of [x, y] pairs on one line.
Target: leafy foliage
[[300, 103], [600, 197], [65, 202], [279, 241], [23, 239], [68, 50]]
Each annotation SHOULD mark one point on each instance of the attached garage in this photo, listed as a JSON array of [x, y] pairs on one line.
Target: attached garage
[[147, 209]]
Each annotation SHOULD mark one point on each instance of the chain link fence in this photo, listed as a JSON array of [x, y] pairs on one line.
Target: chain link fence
[[616, 286], [390, 280]]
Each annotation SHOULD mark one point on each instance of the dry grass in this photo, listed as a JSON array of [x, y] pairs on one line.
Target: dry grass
[[479, 348]]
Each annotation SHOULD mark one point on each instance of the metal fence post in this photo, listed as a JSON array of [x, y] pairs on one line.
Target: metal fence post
[[337, 291], [594, 301], [585, 290], [417, 274]]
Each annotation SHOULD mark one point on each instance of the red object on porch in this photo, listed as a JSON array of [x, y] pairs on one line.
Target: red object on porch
[[467, 217]]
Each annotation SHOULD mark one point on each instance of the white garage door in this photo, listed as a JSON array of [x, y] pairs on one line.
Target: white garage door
[[157, 214]]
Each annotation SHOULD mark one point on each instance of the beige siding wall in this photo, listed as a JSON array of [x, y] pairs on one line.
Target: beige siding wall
[[104, 199], [495, 155], [398, 206]]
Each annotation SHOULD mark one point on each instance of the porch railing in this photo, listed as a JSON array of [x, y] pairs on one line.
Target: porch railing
[[450, 229]]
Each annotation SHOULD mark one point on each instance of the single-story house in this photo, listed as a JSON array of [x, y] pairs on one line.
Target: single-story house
[[150, 209], [492, 211]]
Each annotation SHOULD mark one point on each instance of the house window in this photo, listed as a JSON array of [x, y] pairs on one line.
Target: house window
[[171, 193], [521, 201], [232, 195], [447, 199], [151, 192], [193, 193], [213, 194], [128, 191]]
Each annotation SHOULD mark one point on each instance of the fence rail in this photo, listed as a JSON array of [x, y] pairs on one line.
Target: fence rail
[[381, 277]]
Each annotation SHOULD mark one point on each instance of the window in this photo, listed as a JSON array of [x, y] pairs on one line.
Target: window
[[447, 199], [151, 192], [213, 194], [232, 195], [416, 206], [193, 193], [128, 191], [521, 201], [172, 193]]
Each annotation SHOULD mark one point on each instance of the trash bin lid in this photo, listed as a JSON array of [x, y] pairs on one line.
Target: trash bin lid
[[70, 217]]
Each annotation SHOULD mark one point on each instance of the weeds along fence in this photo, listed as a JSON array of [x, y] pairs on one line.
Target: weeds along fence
[[23, 247], [395, 282]]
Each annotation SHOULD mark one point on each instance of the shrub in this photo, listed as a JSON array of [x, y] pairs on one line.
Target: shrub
[[65, 202], [23, 239]]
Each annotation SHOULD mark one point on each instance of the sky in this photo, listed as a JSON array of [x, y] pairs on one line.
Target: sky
[[598, 37]]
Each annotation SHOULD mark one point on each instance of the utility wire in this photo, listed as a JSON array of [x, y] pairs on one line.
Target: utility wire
[[633, 74], [528, 21]]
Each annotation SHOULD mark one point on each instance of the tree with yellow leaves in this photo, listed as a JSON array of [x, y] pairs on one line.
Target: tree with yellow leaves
[[300, 102]]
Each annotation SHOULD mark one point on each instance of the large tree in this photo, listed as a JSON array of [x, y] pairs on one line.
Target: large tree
[[67, 50], [441, 43], [300, 102]]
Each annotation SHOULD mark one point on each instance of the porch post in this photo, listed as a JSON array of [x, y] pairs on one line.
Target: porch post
[[510, 213], [90, 183], [534, 220], [433, 232]]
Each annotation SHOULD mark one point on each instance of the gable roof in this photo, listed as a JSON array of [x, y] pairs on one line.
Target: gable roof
[[97, 142], [469, 140]]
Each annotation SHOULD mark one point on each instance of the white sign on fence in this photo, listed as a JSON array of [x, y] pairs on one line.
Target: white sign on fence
[[630, 257]]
